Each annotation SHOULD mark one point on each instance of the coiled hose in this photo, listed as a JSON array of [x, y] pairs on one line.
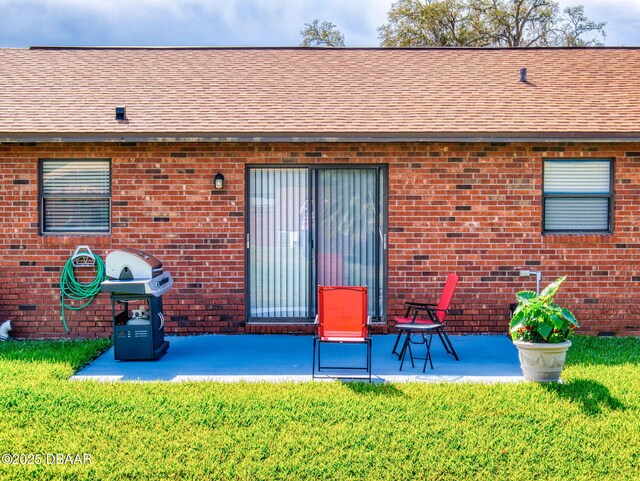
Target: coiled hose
[[71, 289]]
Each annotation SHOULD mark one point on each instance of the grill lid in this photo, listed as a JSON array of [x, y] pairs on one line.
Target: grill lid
[[129, 264]]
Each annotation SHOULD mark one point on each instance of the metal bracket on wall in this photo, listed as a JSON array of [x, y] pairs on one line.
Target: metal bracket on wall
[[83, 257]]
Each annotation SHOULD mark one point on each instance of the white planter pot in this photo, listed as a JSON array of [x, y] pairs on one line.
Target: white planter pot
[[541, 362]]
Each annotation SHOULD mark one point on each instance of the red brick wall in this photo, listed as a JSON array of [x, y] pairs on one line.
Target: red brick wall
[[470, 208]]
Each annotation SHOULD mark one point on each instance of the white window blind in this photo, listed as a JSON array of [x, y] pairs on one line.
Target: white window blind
[[579, 177], [75, 196], [576, 213], [577, 195]]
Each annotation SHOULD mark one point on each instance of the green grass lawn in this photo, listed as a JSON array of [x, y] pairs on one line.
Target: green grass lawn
[[586, 429]]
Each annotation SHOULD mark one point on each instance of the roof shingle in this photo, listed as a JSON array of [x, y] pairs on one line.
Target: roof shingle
[[319, 93]]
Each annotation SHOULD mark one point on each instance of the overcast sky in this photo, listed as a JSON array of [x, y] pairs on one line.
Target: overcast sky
[[24, 23]]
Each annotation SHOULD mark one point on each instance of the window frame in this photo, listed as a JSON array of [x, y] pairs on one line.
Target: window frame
[[42, 197], [609, 196]]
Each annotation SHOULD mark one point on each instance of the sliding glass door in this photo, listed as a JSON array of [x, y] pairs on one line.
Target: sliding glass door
[[309, 226]]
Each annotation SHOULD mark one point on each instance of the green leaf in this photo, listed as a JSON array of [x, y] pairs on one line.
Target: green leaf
[[518, 310], [551, 289], [568, 315], [545, 329], [525, 296], [558, 321], [517, 321]]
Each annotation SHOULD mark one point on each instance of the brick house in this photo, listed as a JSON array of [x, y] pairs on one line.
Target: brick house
[[384, 167]]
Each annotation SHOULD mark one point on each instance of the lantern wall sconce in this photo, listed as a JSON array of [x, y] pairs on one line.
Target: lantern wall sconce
[[218, 181]]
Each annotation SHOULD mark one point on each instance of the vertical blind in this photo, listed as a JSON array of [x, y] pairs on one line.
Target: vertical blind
[[347, 235], [75, 195], [577, 195], [279, 243]]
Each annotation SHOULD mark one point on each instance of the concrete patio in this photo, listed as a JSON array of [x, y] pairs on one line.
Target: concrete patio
[[278, 358]]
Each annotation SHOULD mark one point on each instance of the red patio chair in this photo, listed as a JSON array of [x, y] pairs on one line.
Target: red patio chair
[[425, 320], [342, 319]]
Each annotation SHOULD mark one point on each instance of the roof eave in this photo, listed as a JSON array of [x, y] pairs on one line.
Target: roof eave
[[329, 137]]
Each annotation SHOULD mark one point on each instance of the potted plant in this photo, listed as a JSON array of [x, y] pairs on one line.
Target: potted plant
[[541, 330]]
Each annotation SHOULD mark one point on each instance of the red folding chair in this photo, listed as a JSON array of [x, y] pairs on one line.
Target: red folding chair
[[342, 319], [425, 320]]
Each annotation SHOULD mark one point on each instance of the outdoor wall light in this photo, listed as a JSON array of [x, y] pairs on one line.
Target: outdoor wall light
[[538, 274], [218, 181]]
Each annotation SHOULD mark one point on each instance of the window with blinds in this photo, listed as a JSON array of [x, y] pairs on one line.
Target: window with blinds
[[577, 195], [75, 196]]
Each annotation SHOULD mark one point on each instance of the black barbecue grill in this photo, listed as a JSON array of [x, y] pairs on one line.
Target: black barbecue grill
[[135, 276]]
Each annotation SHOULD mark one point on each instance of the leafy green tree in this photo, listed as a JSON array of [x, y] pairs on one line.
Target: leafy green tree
[[325, 34], [479, 23], [433, 23]]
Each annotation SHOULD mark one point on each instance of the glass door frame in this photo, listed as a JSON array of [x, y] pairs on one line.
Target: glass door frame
[[381, 225]]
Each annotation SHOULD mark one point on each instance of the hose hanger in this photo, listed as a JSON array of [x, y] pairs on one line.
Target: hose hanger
[[83, 257]]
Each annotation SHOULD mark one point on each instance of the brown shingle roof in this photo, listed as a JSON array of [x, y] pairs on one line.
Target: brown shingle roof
[[319, 93]]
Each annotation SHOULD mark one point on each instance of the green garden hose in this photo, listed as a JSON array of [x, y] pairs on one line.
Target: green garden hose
[[73, 290]]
